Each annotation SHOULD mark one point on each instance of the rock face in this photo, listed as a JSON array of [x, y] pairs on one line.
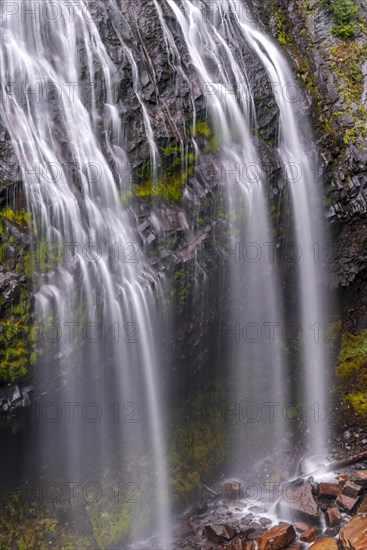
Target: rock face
[[354, 535]]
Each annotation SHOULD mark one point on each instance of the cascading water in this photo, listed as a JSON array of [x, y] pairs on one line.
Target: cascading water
[[257, 366], [67, 138], [214, 36], [309, 231]]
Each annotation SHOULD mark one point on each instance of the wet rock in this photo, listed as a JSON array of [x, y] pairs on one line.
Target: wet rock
[[277, 537], [219, 533], [249, 517], [240, 544], [308, 536], [258, 509], [362, 508], [232, 489], [187, 529], [325, 543], [331, 532], [265, 521], [333, 516], [347, 504], [354, 535], [328, 490], [352, 490], [301, 526], [299, 501]]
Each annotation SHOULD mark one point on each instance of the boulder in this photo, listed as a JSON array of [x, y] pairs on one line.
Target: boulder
[[240, 544], [347, 504], [298, 501], [360, 478], [328, 490], [277, 537], [232, 490], [333, 516], [352, 490], [325, 543], [219, 533], [186, 528], [354, 535], [308, 536]]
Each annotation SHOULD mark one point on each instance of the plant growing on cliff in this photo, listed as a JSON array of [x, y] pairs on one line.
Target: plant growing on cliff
[[344, 13], [352, 370]]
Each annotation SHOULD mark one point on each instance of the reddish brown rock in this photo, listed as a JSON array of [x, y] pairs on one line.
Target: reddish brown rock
[[362, 508], [352, 490], [347, 504], [360, 477], [241, 545], [342, 477], [296, 546], [219, 533], [277, 537], [308, 536], [354, 535], [325, 543], [298, 501], [187, 529], [301, 526], [333, 516], [328, 490], [232, 490]]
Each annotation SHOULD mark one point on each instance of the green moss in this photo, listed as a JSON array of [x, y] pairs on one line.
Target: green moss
[[201, 128], [198, 442], [352, 370], [20, 217], [110, 524], [344, 14], [17, 329], [24, 525], [282, 36], [176, 164]]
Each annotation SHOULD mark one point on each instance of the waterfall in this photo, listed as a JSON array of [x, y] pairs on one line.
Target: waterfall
[[100, 305], [99, 295], [215, 38], [256, 367], [309, 230]]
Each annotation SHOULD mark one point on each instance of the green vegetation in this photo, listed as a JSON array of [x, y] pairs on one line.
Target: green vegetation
[[282, 36], [176, 165], [24, 526], [17, 330], [198, 442], [352, 370], [345, 14], [201, 128], [345, 61], [111, 523]]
